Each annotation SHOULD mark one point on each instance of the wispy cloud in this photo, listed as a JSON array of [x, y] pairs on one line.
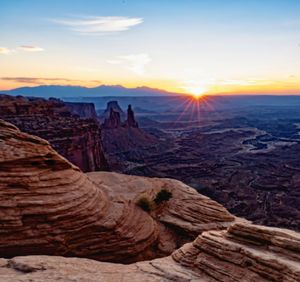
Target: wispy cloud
[[26, 48], [30, 48], [99, 25], [6, 51], [134, 62], [45, 81]]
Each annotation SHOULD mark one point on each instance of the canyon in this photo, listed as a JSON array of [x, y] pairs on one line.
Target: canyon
[[71, 128], [121, 134], [51, 212], [48, 206], [244, 159]]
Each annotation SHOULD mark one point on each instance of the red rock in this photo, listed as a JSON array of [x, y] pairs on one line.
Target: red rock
[[77, 139], [48, 206]]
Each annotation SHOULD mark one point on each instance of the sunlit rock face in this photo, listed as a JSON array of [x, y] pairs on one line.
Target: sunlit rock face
[[244, 252], [77, 139], [49, 207]]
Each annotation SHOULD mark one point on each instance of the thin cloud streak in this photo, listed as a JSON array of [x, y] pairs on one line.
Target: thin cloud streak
[[29, 48], [100, 25], [45, 81], [6, 51], [26, 48]]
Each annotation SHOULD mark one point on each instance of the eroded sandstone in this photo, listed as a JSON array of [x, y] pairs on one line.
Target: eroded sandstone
[[244, 252], [77, 139], [48, 206]]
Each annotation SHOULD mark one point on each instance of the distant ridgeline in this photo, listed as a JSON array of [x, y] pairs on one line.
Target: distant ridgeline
[[71, 128]]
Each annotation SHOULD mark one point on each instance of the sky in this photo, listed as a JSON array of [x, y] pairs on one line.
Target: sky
[[190, 46]]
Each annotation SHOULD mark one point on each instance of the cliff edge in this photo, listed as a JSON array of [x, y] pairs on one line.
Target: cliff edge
[[48, 206]]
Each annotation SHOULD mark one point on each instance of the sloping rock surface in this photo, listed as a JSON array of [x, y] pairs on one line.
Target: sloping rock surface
[[49, 207], [243, 253]]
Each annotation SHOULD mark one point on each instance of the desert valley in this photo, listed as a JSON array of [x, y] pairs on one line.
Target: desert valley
[[49, 207], [146, 141]]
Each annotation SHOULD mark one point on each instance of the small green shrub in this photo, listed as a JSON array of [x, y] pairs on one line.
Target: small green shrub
[[163, 195], [145, 203]]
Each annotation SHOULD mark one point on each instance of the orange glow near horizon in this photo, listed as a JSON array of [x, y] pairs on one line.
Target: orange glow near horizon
[[151, 46], [197, 96], [276, 87]]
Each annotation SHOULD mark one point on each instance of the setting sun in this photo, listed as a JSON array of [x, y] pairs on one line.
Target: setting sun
[[197, 95], [195, 88]]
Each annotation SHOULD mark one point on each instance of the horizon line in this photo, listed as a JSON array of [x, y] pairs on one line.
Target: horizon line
[[256, 93]]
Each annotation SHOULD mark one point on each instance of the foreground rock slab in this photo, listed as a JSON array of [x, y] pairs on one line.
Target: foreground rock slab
[[244, 252]]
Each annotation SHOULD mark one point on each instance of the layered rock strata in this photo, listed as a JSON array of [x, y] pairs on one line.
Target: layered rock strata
[[244, 252], [77, 139], [48, 206]]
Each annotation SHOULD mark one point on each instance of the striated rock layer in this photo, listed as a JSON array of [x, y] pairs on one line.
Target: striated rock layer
[[49, 207], [77, 139], [244, 252]]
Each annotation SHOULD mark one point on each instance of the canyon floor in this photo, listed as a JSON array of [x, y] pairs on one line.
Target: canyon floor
[[59, 224], [248, 160]]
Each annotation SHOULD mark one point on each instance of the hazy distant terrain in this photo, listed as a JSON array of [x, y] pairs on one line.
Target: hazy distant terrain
[[244, 156], [242, 151], [61, 91]]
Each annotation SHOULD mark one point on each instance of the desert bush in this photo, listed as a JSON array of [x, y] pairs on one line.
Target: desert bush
[[163, 195], [145, 203]]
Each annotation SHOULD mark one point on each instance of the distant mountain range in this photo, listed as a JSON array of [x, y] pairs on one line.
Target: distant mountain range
[[60, 91]]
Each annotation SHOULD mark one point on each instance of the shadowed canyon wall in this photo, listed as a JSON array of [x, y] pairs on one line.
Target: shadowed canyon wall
[[77, 139]]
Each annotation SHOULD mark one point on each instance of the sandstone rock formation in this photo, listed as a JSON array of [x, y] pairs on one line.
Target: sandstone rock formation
[[48, 206], [113, 121], [113, 105], [77, 139], [114, 117], [124, 138], [244, 253], [130, 122], [83, 110]]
